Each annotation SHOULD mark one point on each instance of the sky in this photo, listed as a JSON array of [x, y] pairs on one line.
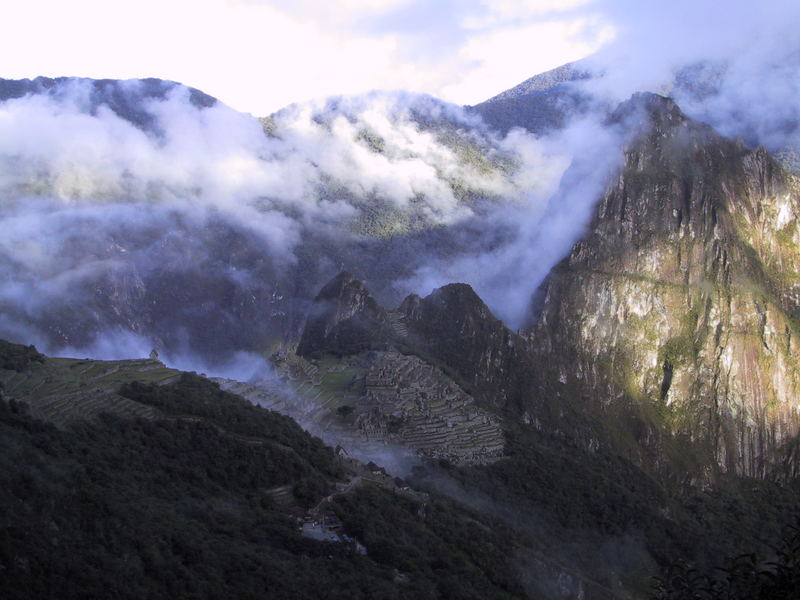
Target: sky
[[258, 56]]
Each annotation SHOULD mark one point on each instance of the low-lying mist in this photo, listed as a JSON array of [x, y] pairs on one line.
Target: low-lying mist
[[138, 214], [735, 66], [119, 237]]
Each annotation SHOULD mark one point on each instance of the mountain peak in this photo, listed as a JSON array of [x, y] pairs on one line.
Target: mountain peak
[[344, 319], [345, 283], [544, 82], [127, 98], [674, 300], [458, 297], [454, 326], [653, 112]]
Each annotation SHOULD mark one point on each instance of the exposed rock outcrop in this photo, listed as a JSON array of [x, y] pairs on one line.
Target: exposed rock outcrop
[[677, 312], [454, 327], [345, 319]]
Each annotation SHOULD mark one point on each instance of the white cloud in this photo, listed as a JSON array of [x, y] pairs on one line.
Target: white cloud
[[502, 58], [504, 12], [260, 56], [86, 197], [56, 155], [543, 228], [251, 55]]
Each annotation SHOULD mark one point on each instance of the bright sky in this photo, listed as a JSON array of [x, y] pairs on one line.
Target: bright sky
[[260, 55]]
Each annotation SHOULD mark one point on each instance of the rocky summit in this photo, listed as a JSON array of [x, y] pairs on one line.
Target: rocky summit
[[679, 305]]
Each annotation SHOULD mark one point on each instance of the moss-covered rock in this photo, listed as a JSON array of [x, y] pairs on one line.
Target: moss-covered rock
[[683, 296]]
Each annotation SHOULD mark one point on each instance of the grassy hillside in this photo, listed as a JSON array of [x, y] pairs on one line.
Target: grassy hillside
[[184, 503]]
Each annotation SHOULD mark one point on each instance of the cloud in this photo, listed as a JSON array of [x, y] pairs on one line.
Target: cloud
[[494, 55], [216, 158], [573, 167], [53, 148], [252, 55], [747, 55], [473, 50], [259, 56], [746, 59], [95, 207]]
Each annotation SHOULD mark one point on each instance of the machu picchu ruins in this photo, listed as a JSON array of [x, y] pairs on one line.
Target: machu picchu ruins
[[367, 401], [64, 390], [417, 404], [358, 376]]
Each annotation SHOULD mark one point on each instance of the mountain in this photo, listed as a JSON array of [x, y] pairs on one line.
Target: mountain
[[454, 327], [201, 493], [125, 98], [345, 319], [679, 303], [666, 336], [543, 103], [743, 98], [574, 338], [569, 472]]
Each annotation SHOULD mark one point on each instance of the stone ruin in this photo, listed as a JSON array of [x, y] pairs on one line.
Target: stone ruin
[[405, 402], [413, 403]]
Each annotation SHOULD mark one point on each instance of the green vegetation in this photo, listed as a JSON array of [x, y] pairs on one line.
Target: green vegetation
[[745, 577], [16, 357], [196, 398], [372, 140], [677, 350], [345, 412], [441, 549], [574, 502], [167, 508], [62, 390], [183, 506], [345, 384], [43, 378], [480, 158]]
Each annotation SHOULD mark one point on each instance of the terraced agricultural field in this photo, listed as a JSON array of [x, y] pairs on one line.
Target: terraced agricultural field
[[341, 385], [365, 401], [61, 390]]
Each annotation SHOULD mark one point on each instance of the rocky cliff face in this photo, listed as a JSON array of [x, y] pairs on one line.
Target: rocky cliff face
[[454, 327], [345, 319], [677, 312]]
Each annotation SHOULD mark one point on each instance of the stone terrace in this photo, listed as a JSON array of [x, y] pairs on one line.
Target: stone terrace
[[416, 404]]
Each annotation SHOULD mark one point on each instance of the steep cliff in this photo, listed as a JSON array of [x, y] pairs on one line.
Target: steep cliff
[[345, 319], [454, 327], [675, 317]]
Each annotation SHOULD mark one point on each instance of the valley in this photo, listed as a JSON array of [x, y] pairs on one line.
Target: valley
[[543, 347]]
